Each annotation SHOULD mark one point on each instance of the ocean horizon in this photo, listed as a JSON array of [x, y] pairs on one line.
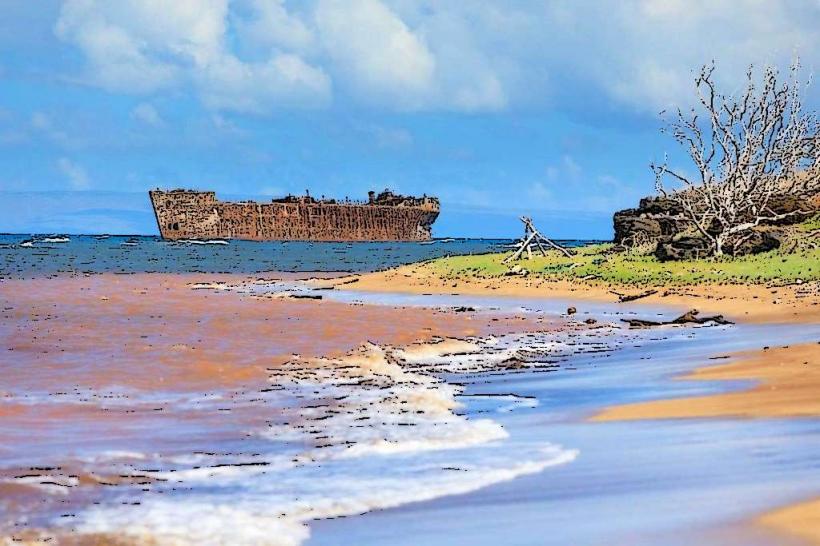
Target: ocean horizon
[[24, 255]]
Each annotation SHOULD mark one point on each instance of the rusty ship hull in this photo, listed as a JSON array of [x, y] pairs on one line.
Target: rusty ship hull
[[188, 214]]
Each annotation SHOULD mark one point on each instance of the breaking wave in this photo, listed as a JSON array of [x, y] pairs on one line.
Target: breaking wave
[[377, 428], [203, 241]]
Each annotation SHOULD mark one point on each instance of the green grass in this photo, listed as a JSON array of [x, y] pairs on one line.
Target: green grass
[[597, 263], [811, 224]]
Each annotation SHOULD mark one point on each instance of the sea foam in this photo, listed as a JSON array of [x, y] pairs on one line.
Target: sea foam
[[373, 429]]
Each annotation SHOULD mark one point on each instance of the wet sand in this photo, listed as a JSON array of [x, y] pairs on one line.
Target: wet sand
[[787, 385], [785, 381], [799, 520], [131, 366], [747, 303], [173, 336]]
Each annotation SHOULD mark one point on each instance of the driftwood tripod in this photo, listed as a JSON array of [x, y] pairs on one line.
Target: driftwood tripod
[[532, 237]]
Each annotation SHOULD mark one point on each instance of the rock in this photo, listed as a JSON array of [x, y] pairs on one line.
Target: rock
[[690, 317], [788, 204], [662, 223], [759, 241], [693, 248], [517, 270], [571, 310], [660, 205], [683, 248], [513, 363], [629, 224], [590, 321], [463, 309], [655, 219], [305, 296]]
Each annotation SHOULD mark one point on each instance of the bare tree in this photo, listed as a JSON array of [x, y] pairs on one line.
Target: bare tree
[[748, 149]]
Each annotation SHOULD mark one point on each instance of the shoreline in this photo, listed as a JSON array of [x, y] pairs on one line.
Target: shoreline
[[755, 303], [785, 380], [182, 383], [793, 308], [786, 385], [800, 520]]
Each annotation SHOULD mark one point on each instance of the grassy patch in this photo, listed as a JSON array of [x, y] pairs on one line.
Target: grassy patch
[[812, 224], [598, 263]]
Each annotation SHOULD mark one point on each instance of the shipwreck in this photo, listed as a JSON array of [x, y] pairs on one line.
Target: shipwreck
[[188, 214]]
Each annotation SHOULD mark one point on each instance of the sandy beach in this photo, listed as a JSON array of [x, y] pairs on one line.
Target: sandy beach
[[784, 381], [787, 385], [189, 361], [392, 272], [792, 303]]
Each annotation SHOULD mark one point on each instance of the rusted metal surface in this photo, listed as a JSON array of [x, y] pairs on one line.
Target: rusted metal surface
[[187, 214]]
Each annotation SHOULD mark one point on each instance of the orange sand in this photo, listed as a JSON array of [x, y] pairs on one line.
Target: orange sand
[[748, 303], [789, 387], [799, 520], [157, 332]]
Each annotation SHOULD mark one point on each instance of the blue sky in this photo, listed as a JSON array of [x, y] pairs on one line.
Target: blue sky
[[500, 108]]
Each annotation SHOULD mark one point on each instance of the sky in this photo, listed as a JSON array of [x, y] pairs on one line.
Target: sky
[[500, 108]]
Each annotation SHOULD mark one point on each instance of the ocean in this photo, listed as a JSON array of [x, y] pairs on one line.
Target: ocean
[[34, 255]]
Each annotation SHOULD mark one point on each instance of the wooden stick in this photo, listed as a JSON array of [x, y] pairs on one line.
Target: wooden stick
[[539, 237], [556, 246], [541, 247], [521, 249], [632, 297]]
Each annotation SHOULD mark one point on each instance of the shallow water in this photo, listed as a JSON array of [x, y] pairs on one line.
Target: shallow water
[[156, 407], [149, 408], [640, 483]]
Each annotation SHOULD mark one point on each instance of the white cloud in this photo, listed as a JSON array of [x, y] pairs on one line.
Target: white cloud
[[40, 121], [375, 52], [568, 186], [144, 46], [261, 55], [77, 176], [435, 63], [538, 193], [270, 26], [227, 126], [147, 114], [642, 53], [118, 60], [567, 171], [283, 81], [387, 137]]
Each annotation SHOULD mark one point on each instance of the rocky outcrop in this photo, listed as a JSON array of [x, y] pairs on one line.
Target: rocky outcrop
[[661, 222], [683, 248], [800, 208], [656, 219], [694, 247], [759, 241]]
